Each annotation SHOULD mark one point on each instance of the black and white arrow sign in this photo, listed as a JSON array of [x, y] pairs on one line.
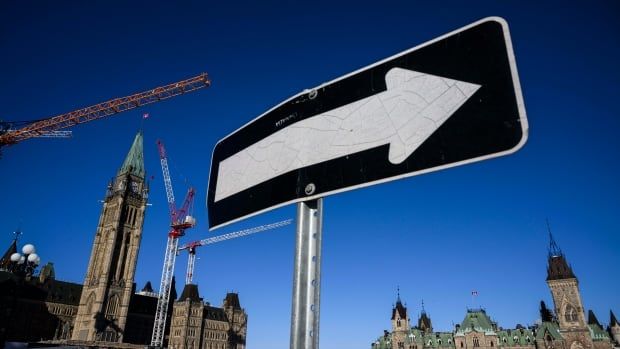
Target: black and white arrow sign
[[453, 100]]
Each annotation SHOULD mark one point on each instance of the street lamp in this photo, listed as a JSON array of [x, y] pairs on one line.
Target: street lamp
[[25, 264]]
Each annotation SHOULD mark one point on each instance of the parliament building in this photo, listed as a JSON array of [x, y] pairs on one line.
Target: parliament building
[[106, 310], [566, 327]]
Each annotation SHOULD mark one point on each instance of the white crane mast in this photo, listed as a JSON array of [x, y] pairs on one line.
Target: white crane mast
[[179, 222]]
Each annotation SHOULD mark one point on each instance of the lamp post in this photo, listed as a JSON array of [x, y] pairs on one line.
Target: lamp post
[[26, 263]]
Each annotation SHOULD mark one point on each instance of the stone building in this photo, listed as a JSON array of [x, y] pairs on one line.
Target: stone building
[[567, 329], [106, 310], [199, 325]]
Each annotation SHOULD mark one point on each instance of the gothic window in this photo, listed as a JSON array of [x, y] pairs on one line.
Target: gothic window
[[90, 302], [570, 313], [491, 343], [476, 342], [112, 306], [461, 344], [401, 345], [398, 323]]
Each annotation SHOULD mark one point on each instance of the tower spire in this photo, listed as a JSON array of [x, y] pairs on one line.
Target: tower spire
[[134, 162], [592, 320], [398, 294], [554, 249], [612, 319], [558, 267], [423, 310], [5, 259]]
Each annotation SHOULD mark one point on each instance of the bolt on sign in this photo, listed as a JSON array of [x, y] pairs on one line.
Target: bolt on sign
[[450, 101]]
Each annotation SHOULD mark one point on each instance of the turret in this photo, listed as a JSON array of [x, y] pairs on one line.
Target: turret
[[424, 321], [400, 323]]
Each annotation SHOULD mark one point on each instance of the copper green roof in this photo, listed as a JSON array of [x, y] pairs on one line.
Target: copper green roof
[[383, 342], [516, 337], [597, 333], [550, 328], [476, 320], [134, 162]]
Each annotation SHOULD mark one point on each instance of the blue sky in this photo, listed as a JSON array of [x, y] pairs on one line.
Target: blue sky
[[439, 236]]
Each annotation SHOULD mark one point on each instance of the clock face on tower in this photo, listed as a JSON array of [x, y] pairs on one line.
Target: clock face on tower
[[134, 187]]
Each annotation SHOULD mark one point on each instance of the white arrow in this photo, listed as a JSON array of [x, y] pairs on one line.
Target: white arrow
[[412, 108]]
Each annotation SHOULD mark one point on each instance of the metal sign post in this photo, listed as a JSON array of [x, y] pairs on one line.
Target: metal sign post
[[307, 276]]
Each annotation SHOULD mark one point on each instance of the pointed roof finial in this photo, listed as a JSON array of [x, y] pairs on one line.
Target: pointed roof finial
[[423, 310], [612, 319], [397, 294], [554, 249], [17, 233], [592, 320]]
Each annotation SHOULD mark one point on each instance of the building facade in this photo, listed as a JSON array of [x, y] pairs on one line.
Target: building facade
[[564, 328], [196, 324], [106, 311]]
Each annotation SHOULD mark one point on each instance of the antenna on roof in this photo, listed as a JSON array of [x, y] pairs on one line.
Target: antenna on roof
[[554, 249]]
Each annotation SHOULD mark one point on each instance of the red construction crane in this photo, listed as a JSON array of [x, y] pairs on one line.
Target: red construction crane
[[49, 127], [180, 220]]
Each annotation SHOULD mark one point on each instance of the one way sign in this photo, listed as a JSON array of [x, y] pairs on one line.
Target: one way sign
[[447, 102]]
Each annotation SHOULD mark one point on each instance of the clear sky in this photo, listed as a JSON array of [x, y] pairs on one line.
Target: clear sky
[[439, 236]]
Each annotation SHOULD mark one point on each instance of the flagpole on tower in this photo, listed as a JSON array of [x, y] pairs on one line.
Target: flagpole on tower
[[474, 294]]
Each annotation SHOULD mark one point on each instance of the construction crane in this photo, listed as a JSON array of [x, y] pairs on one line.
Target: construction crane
[[191, 247], [180, 220], [49, 127]]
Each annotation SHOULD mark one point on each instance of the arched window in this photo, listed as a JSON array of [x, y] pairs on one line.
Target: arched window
[[476, 342], [398, 323], [570, 313], [491, 343], [112, 306], [461, 344], [90, 302]]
